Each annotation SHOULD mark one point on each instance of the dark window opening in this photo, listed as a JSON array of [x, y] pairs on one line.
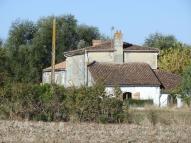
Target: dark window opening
[[127, 95]]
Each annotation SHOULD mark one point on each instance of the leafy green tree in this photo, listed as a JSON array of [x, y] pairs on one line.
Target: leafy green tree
[[186, 85], [4, 65], [21, 33], [87, 33], [117, 92], [1, 43], [29, 44], [175, 59], [174, 56], [69, 36], [158, 40], [18, 49], [66, 39]]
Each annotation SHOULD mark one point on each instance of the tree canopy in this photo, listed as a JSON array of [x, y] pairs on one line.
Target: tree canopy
[[158, 40], [29, 44], [174, 55], [186, 85], [175, 59]]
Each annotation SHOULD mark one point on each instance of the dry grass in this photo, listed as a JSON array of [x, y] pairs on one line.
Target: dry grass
[[172, 126]]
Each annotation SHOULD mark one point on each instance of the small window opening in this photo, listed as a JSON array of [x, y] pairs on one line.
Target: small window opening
[[127, 95]]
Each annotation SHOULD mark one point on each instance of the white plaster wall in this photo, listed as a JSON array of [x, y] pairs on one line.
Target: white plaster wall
[[60, 77], [100, 57], [46, 77], [145, 92], [180, 102], [149, 58], [75, 66], [164, 100]]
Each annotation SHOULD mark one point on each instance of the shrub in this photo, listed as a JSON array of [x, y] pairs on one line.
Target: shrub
[[56, 103], [34, 102], [111, 109], [139, 103]]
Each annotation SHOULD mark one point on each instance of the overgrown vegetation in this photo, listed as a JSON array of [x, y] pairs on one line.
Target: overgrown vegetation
[[86, 104], [28, 47], [56, 103]]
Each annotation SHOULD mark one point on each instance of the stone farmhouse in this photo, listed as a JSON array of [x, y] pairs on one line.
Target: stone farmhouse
[[131, 67]]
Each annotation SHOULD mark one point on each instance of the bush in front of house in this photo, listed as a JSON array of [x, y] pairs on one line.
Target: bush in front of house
[[139, 102], [56, 103], [32, 102], [111, 110]]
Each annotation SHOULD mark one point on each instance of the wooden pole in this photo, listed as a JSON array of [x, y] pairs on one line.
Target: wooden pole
[[53, 51]]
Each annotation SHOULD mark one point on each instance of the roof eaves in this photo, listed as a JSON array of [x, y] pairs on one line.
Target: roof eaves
[[74, 52], [100, 50], [133, 85], [143, 51], [49, 70]]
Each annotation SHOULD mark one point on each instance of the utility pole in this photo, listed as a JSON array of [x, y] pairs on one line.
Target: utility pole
[[53, 51]]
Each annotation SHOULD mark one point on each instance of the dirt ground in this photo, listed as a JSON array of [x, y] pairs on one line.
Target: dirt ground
[[27, 132]]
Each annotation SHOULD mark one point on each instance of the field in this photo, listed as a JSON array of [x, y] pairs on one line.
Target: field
[[176, 128]]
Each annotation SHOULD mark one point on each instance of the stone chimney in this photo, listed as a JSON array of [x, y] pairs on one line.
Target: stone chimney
[[118, 46], [96, 42]]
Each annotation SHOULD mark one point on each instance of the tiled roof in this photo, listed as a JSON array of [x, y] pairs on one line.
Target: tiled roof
[[59, 66], [136, 48], [169, 80], [108, 46], [124, 74]]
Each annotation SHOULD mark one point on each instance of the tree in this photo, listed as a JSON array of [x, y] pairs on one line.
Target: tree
[[158, 40], [175, 59], [174, 56], [21, 33], [88, 33], [1, 43], [18, 48], [29, 44], [69, 36], [3, 66], [66, 39], [186, 85]]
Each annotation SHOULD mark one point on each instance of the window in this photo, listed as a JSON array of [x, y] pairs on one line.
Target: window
[[127, 95], [136, 95]]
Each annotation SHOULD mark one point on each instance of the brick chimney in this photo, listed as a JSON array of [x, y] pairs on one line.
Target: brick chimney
[[118, 46]]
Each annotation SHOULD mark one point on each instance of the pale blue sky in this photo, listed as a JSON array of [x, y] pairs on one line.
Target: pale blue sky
[[135, 18]]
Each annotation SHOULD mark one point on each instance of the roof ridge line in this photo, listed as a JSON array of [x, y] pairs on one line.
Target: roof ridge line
[[156, 76]]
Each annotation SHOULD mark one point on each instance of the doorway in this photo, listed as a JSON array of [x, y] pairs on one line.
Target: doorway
[[127, 95]]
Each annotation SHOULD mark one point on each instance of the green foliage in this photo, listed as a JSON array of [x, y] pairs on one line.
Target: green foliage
[[186, 85], [87, 33], [118, 92], [138, 103], [175, 59], [174, 56], [4, 66], [18, 48], [1, 43], [111, 110], [56, 103], [158, 40], [29, 44]]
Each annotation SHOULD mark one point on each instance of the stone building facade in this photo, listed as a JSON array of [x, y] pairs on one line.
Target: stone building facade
[[131, 67]]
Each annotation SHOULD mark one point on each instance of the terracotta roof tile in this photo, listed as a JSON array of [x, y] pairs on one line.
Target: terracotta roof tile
[[169, 80], [124, 74], [59, 66], [108, 46]]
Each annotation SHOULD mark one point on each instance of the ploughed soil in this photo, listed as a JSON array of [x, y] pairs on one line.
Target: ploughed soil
[[62, 132]]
